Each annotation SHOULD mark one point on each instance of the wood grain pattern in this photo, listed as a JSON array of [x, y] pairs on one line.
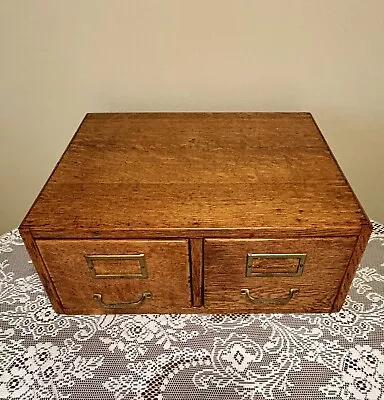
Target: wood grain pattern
[[174, 233], [197, 286], [41, 269], [118, 209], [350, 272], [168, 270], [196, 191], [224, 266], [126, 173]]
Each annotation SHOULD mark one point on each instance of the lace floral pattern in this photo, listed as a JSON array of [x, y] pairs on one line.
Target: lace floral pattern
[[44, 355]]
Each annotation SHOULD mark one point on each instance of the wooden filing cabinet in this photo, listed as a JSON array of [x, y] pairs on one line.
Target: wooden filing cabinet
[[196, 213]]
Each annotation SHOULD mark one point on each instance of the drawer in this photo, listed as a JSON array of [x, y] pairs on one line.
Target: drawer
[[274, 275], [118, 276]]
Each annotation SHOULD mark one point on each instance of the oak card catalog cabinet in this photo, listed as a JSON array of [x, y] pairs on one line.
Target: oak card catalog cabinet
[[196, 213]]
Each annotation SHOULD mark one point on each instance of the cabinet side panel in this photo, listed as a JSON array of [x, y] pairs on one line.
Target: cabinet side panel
[[38, 262], [358, 252]]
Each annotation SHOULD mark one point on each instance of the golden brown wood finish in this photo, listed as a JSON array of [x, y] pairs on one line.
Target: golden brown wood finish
[[352, 267], [225, 266], [168, 274], [174, 233], [190, 207], [196, 254], [265, 173], [41, 269], [184, 178]]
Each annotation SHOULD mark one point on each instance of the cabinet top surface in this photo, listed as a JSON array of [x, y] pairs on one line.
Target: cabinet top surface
[[142, 172]]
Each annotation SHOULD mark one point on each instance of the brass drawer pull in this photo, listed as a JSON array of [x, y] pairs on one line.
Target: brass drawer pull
[[145, 295], [251, 272], [284, 300]]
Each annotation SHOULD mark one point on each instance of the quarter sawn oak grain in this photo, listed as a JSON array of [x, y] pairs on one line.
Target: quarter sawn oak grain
[[213, 171], [168, 273], [194, 190], [225, 264]]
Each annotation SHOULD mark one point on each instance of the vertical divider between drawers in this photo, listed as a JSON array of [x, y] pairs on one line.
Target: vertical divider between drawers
[[196, 257]]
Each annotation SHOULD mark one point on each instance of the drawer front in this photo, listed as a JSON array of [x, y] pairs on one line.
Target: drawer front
[[274, 275], [119, 276]]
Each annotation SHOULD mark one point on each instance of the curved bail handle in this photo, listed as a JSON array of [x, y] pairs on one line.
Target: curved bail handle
[[146, 295], [283, 300]]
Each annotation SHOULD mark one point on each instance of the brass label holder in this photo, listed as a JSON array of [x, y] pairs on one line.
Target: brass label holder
[[250, 272], [143, 274]]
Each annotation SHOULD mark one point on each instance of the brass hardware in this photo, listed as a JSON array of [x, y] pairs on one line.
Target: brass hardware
[[139, 257], [284, 300], [145, 295], [250, 271]]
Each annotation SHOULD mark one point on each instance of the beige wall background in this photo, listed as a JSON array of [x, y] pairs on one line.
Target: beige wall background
[[61, 59]]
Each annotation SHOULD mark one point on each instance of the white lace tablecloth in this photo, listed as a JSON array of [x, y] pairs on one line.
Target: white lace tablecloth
[[44, 355]]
